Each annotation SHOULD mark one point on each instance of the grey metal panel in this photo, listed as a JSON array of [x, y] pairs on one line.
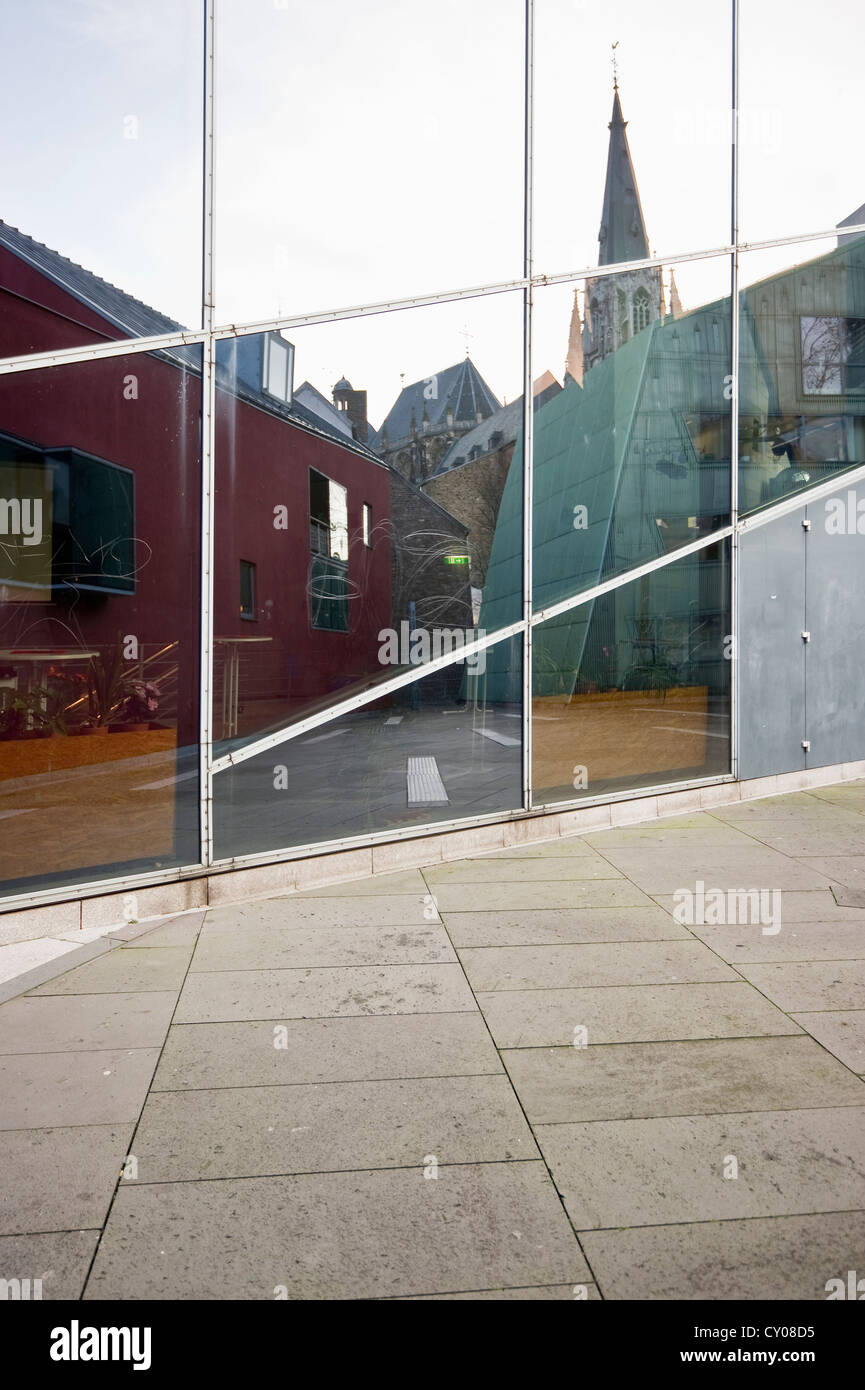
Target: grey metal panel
[[770, 649], [835, 617]]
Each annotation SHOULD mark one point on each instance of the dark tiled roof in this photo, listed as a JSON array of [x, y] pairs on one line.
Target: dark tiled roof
[[461, 387]]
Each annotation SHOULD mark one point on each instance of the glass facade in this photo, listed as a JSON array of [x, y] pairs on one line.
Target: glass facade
[[384, 394]]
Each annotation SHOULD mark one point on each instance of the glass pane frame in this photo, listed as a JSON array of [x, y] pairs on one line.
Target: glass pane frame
[[532, 280]]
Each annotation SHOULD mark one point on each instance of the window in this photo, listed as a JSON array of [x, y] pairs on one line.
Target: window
[[642, 310], [366, 523], [247, 590], [328, 517], [328, 542], [278, 367], [833, 355]]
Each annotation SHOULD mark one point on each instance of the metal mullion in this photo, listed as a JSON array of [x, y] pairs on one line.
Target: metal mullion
[[734, 397], [208, 417], [528, 402]]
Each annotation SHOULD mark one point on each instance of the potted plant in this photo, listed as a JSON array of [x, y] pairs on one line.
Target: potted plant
[[106, 689], [139, 706]]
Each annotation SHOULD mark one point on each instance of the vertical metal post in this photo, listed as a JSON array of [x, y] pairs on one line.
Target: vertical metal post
[[208, 411], [734, 399], [528, 402]]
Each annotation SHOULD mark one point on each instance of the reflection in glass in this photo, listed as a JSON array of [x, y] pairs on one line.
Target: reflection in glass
[[99, 617], [802, 376], [369, 537], [632, 689], [446, 746]]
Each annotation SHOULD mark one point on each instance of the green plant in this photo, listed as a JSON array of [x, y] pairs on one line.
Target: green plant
[[107, 685]]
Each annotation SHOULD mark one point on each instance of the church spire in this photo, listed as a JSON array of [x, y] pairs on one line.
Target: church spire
[[574, 362], [623, 231]]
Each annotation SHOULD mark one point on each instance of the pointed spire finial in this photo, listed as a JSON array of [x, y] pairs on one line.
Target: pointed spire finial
[[615, 67]]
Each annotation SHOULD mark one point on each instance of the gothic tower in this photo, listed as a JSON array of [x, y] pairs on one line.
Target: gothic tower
[[619, 306]]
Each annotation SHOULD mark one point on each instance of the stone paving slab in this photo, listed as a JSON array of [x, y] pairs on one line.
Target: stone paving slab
[[783, 1257], [847, 869], [721, 866], [278, 948], [625, 962], [235, 995], [553, 1292], [299, 910], [50, 1089], [819, 985], [627, 1013], [61, 1260], [402, 882], [545, 870], [565, 847], [675, 832], [339, 1235], [377, 1047], [841, 1032], [527, 897], [179, 931], [816, 843], [641, 1080], [59, 1179], [84, 1023], [670, 1170], [266, 1130], [125, 970], [796, 941], [818, 905], [557, 926]]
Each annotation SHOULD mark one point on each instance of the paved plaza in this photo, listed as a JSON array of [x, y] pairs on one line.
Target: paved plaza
[[554, 1071]]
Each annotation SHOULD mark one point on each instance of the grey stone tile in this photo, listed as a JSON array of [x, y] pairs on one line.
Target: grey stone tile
[[841, 1032], [303, 910], [795, 941], [380, 1046], [670, 833], [551, 869], [800, 986], [255, 1131], [812, 841], [718, 866], [781, 1257], [124, 970], [619, 963], [61, 1260], [339, 1236], [275, 948], [816, 807], [846, 869], [402, 881], [848, 897], [850, 796], [587, 1292], [711, 1076], [817, 905], [83, 1023], [50, 1089], [559, 927], [565, 847], [572, 894], [178, 931], [59, 1179], [645, 1013], [235, 995], [658, 1171]]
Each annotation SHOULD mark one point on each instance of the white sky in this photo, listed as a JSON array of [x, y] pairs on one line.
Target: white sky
[[373, 150]]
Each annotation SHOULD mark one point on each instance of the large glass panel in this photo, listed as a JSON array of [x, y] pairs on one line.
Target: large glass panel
[[633, 689], [99, 618], [801, 112], [446, 746], [101, 170], [366, 153], [642, 168], [359, 471], [632, 457], [802, 372]]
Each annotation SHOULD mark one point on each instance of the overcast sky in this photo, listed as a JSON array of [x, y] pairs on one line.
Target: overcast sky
[[369, 150]]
